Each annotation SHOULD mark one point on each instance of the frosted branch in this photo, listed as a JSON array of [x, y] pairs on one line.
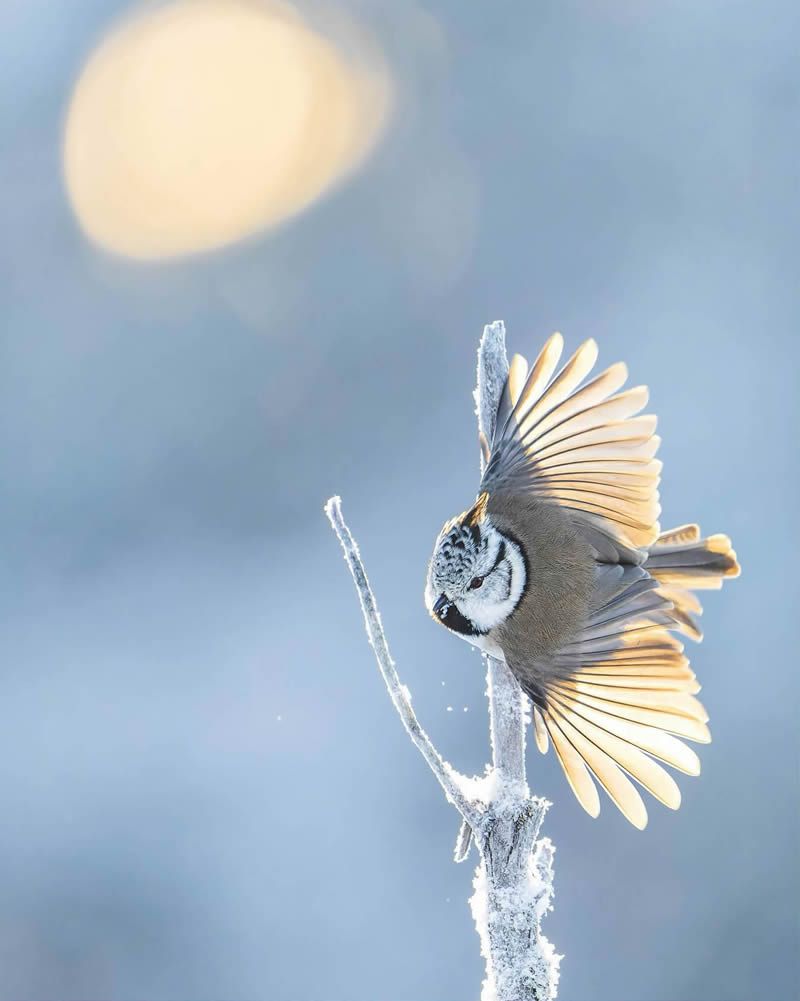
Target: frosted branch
[[514, 880], [506, 711]]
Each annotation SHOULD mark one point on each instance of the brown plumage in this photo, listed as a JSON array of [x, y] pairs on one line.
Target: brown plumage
[[560, 575]]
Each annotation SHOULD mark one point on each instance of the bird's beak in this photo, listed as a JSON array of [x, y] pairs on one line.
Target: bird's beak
[[440, 604]]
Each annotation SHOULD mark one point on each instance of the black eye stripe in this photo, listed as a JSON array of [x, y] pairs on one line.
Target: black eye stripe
[[501, 553], [506, 574]]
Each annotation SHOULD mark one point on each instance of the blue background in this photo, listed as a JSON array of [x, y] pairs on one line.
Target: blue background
[[170, 587]]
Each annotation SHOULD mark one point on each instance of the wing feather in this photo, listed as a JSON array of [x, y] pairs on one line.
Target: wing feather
[[580, 445], [643, 768], [620, 697], [621, 790], [539, 731], [574, 765]]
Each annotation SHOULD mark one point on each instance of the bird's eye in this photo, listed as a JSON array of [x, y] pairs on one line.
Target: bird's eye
[[475, 583]]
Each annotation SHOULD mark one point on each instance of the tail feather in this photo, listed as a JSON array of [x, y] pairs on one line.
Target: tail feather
[[679, 535], [682, 562]]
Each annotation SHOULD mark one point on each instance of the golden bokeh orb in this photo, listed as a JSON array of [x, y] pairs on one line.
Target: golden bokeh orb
[[197, 123]]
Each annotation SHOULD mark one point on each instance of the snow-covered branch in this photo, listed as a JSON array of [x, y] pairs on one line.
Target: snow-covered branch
[[513, 884]]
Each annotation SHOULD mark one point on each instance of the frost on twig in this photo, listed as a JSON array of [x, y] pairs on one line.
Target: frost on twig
[[463, 843], [448, 778], [513, 884], [506, 709]]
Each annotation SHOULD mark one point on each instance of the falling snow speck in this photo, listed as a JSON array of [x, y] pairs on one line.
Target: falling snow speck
[[449, 709]]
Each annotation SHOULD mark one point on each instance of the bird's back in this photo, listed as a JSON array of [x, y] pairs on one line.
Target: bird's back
[[560, 571]]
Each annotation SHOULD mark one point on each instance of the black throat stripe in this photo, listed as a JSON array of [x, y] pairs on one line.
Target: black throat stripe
[[459, 623]]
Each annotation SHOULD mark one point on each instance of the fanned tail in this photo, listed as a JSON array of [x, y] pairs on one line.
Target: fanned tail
[[681, 561]]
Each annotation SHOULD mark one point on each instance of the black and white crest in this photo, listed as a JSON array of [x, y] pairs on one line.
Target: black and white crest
[[476, 576], [457, 553]]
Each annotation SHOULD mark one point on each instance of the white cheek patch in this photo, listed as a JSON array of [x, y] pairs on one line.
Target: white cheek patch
[[491, 604]]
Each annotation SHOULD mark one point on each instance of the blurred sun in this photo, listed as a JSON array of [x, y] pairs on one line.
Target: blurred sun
[[197, 123]]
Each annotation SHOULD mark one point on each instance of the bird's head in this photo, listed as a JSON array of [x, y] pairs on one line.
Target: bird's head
[[476, 575]]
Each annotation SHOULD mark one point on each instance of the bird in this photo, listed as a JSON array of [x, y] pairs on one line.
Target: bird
[[560, 568]]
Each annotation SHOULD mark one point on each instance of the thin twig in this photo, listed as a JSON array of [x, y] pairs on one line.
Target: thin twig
[[449, 779]]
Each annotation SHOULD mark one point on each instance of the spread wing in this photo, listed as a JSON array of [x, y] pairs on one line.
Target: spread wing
[[580, 446], [618, 697]]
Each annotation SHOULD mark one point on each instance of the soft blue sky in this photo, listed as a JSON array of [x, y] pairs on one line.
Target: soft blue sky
[[169, 433]]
